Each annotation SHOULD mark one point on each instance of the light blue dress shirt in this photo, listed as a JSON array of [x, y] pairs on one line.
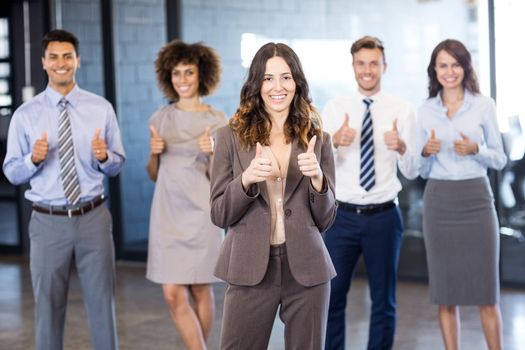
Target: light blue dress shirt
[[477, 120], [87, 112]]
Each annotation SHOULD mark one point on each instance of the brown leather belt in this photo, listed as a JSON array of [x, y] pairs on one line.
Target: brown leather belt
[[81, 209]]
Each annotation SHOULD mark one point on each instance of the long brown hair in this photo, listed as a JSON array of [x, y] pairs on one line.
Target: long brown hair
[[252, 123], [457, 50]]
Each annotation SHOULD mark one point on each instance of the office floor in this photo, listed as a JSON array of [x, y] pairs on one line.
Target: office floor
[[144, 322]]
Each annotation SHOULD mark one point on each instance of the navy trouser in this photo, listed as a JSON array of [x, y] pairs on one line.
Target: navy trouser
[[378, 238]]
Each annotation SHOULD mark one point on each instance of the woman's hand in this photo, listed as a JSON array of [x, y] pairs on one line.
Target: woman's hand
[[259, 169], [465, 146], [206, 142], [432, 146], [156, 144], [309, 165]]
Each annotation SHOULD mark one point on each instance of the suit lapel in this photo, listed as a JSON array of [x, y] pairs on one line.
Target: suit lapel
[[245, 158], [294, 176]]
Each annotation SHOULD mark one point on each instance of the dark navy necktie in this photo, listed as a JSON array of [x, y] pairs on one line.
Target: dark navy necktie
[[367, 178]]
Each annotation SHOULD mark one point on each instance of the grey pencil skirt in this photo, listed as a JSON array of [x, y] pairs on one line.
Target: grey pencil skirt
[[460, 228]]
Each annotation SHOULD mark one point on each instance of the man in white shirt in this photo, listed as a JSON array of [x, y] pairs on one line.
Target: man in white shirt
[[373, 136]]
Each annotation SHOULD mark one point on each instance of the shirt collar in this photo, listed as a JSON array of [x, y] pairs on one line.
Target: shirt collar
[[467, 100], [54, 96], [375, 97]]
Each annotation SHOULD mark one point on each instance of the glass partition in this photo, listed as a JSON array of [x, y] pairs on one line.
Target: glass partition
[[511, 114]]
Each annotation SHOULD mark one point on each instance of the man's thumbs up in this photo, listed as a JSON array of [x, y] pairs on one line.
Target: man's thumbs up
[[393, 141], [40, 149], [394, 125], [345, 135], [346, 121], [99, 146], [97, 134]]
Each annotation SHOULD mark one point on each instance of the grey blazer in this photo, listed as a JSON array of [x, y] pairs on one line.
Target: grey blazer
[[244, 255]]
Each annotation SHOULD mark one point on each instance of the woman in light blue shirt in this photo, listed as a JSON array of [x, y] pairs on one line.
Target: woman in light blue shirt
[[459, 140]]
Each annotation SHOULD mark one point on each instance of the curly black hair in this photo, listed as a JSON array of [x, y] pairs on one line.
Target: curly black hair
[[176, 51]]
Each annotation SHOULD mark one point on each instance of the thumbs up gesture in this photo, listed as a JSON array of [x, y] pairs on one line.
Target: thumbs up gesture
[[345, 135], [157, 143], [432, 146], [99, 147], [206, 142], [393, 141], [259, 169], [309, 165], [40, 149], [465, 146]]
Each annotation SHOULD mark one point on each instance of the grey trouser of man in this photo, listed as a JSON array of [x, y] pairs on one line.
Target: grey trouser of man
[[249, 311], [57, 241]]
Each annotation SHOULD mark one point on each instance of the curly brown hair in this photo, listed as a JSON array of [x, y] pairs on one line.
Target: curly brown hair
[[251, 121], [204, 57], [457, 50]]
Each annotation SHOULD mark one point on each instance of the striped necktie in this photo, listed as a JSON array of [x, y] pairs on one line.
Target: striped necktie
[[66, 155], [367, 178]]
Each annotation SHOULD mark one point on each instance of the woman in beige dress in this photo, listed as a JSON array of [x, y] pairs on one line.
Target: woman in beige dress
[[183, 243]]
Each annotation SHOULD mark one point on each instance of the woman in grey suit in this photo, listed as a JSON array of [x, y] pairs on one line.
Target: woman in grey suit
[[272, 186]]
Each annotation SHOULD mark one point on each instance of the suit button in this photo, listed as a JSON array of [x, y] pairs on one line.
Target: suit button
[[288, 212]]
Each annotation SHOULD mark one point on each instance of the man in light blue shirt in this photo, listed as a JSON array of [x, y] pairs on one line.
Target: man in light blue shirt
[[63, 141]]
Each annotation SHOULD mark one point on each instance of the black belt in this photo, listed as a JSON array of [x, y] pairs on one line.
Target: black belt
[[81, 209], [366, 209]]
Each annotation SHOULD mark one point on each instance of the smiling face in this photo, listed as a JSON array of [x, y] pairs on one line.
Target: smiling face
[[278, 87], [185, 80], [60, 62], [369, 66], [449, 72]]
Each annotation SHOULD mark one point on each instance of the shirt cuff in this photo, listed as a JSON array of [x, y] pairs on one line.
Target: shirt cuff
[[29, 163], [107, 163], [483, 153]]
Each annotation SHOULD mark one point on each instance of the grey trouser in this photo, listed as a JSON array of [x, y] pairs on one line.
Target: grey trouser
[[57, 241], [249, 311]]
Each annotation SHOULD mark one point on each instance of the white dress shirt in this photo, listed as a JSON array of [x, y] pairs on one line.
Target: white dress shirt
[[385, 109]]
